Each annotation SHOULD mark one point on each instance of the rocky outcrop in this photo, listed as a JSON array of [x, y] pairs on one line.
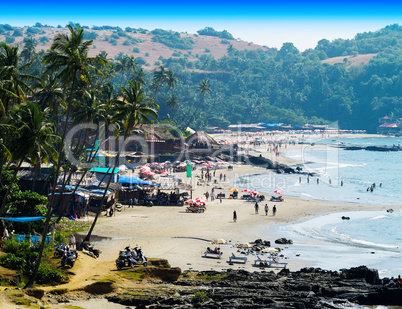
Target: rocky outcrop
[[307, 288]]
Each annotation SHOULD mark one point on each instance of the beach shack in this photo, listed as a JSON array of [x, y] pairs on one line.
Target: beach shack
[[104, 173]]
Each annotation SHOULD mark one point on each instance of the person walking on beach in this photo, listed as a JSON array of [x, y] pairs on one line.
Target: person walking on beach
[[234, 216], [318, 181], [224, 177], [131, 203], [220, 177], [274, 211], [256, 208], [220, 197], [266, 209]]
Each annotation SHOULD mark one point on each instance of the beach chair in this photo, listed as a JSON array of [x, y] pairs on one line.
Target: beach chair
[[213, 254], [237, 259], [277, 263], [260, 262]]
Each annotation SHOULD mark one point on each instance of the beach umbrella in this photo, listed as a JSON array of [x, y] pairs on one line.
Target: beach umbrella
[[219, 241], [233, 190], [246, 190], [269, 250], [200, 200], [278, 192], [254, 192], [190, 201], [244, 245]]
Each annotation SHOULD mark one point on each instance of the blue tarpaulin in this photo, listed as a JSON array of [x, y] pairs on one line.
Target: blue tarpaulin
[[262, 124], [24, 219], [123, 179]]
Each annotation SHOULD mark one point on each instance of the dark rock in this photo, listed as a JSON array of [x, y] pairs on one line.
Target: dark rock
[[37, 293], [362, 272], [284, 241]]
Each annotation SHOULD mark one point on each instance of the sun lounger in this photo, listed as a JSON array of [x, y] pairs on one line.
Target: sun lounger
[[253, 200], [269, 263], [237, 259], [212, 254]]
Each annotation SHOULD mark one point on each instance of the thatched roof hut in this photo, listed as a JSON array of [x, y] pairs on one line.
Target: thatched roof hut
[[200, 138]]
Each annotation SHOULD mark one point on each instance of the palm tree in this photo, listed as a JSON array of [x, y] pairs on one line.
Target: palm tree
[[50, 95], [13, 86], [135, 108], [68, 57], [28, 52], [34, 139], [204, 87]]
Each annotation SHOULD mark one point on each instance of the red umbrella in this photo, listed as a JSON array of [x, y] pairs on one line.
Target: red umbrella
[[190, 201], [246, 190], [278, 192]]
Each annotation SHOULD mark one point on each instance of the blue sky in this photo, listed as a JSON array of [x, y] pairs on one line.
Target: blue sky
[[269, 23]]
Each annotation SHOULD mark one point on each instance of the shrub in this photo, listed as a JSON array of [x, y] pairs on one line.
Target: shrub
[[12, 262], [199, 296], [136, 50], [33, 31], [10, 39], [157, 63], [146, 54], [140, 60], [47, 275], [126, 43], [224, 41], [88, 35], [113, 42], [176, 54], [115, 36], [207, 50], [59, 237]]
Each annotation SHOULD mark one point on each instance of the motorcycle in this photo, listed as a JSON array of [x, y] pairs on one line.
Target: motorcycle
[[59, 249], [131, 257], [125, 258], [87, 246], [69, 257]]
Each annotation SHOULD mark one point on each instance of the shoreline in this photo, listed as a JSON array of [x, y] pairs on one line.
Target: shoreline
[[169, 232]]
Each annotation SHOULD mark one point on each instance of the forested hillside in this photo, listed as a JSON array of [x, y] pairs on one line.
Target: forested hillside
[[228, 81]]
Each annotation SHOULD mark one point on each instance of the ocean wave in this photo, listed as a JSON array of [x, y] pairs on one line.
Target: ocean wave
[[364, 243]]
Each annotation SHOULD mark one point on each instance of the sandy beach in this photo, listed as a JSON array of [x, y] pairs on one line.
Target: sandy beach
[[180, 237]]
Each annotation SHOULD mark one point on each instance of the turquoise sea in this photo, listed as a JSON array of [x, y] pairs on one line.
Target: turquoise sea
[[371, 238]]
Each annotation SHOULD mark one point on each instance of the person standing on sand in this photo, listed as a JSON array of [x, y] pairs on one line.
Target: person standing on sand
[[256, 208], [266, 209], [220, 197], [234, 216], [72, 241], [274, 211]]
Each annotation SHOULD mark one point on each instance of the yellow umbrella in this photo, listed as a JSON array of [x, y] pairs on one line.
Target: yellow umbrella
[[233, 190]]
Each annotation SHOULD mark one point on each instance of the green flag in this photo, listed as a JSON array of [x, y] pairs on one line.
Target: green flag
[[188, 169]]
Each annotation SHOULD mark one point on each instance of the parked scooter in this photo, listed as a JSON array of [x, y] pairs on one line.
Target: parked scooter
[[125, 258], [69, 257], [131, 257], [59, 249], [87, 246], [140, 257]]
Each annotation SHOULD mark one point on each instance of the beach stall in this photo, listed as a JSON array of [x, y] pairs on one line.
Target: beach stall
[[104, 173]]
